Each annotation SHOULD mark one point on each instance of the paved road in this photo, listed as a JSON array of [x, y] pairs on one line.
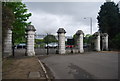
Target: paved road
[[93, 65]]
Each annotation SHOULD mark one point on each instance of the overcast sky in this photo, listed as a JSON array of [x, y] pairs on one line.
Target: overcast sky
[[48, 17]]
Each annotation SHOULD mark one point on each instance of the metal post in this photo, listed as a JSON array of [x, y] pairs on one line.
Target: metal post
[[26, 44], [47, 46], [90, 24], [13, 48]]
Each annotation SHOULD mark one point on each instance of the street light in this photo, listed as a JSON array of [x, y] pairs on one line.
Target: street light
[[90, 24]]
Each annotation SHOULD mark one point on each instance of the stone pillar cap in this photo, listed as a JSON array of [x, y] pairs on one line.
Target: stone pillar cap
[[61, 30], [96, 33], [104, 34], [30, 28], [79, 32]]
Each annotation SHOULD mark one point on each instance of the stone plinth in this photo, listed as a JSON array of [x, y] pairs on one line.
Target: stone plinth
[[61, 41], [97, 41], [30, 40], [104, 41], [80, 35], [8, 43]]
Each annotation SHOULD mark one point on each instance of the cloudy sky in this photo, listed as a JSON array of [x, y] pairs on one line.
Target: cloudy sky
[[48, 17]]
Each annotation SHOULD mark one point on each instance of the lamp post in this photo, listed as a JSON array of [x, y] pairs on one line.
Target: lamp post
[[90, 24]]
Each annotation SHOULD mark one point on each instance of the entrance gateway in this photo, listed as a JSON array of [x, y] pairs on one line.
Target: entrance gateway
[[99, 42]]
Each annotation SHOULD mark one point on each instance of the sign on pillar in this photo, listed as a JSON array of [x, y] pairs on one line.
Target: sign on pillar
[[61, 41], [80, 35], [97, 41], [30, 40]]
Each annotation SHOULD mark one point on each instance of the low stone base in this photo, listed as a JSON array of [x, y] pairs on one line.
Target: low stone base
[[7, 54], [80, 51], [98, 50], [73, 51], [30, 53]]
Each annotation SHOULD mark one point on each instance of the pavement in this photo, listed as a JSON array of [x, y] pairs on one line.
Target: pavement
[[22, 67], [90, 65]]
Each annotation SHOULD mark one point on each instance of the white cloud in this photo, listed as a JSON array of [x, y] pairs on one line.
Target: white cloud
[[49, 17], [49, 23], [67, 0]]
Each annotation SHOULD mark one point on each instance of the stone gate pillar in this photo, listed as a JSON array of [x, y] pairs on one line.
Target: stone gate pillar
[[8, 43], [97, 41], [80, 35], [61, 41], [30, 40], [105, 41]]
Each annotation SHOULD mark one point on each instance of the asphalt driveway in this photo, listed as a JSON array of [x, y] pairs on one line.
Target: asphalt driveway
[[91, 65]]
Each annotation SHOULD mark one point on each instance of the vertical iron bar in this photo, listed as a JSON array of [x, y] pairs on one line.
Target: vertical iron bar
[[47, 45], [26, 37], [13, 48]]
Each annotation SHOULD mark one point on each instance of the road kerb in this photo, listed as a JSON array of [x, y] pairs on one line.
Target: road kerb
[[47, 77]]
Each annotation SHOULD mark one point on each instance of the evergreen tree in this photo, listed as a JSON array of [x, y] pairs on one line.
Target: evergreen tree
[[108, 19]]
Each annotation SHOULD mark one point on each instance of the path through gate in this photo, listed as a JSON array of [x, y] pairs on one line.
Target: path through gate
[[45, 44]]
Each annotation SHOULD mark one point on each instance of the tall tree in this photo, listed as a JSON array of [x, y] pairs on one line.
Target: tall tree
[[50, 38], [7, 21], [108, 19], [20, 14]]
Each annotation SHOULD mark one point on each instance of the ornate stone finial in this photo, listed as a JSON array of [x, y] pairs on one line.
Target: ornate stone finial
[[30, 28], [104, 34], [96, 34], [79, 32], [61, 30]]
